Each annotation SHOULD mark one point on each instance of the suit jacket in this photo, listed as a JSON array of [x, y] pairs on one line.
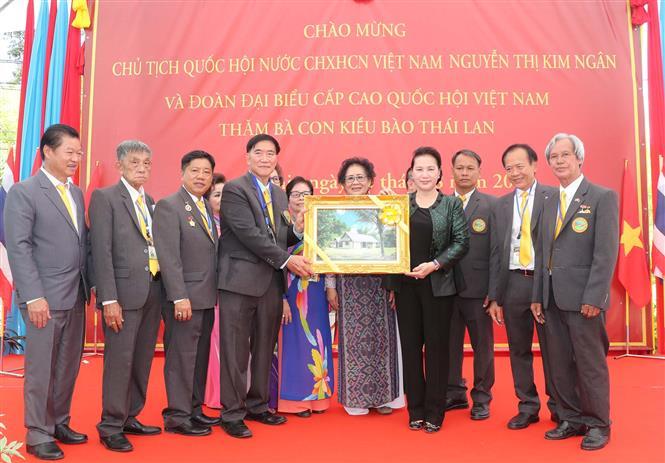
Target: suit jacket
[[119, 249], [248, 256], [187, 254], [475, 265], [502, 218], [583, 256], [450, 242], [47, 256]]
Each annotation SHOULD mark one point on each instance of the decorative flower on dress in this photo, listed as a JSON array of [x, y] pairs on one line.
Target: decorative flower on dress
[[321, 388], [390, 215]]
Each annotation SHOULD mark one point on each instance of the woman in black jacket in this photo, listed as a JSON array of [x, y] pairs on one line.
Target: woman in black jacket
[[439, 238]]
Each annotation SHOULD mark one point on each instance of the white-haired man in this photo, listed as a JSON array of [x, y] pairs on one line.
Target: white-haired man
[[576, 252]]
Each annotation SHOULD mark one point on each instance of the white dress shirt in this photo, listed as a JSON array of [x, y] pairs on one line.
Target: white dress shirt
[[467, 196], [517, 226], [571, 190], [68, 184]]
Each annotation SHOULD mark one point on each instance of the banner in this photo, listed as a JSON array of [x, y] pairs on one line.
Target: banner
[[376, 79]]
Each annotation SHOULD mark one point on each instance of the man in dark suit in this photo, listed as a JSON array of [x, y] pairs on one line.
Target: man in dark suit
[[252, 261], [186, 242], [129, 292], [577, 249], [470, 305], [47, 246], [515, 218]]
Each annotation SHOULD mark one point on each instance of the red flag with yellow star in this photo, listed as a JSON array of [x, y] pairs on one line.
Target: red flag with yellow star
[[632, 263]]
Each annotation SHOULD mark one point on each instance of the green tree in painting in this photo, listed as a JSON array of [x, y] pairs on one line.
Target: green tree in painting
[[329, 227]]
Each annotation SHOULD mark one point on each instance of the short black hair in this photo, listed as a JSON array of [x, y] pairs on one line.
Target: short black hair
[[262, 137], [469, 153], [296, 180], [362, 162], [533, 157], [196, 154], [53, 136]]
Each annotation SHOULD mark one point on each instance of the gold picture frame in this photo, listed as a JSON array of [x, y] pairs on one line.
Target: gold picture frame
[[357, 234]]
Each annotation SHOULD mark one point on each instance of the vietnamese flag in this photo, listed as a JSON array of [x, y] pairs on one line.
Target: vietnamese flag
[[632, 263]]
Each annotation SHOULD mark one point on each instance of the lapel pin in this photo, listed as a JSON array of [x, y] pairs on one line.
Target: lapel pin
[[191, 222], [188, 208]]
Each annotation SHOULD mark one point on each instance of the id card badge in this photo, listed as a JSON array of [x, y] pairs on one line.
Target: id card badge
[[152, 252], [516, 254]]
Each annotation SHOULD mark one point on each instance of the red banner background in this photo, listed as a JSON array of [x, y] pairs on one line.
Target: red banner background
[[373, 79]]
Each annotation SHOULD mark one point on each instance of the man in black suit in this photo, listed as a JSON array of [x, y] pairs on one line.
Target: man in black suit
[[515, 218], [129, 292], [470, 306], [252, 261], [186, 242], [577, 249]]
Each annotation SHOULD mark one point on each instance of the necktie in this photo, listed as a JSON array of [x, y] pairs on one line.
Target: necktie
[[525, 232], [562, 213], [204, 215], [153, 263], [62, 189], [463, 199], [268, 200]]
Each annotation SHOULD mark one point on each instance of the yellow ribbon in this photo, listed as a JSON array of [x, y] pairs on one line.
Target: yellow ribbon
[[382, 205], [317, 250], [82, 19]]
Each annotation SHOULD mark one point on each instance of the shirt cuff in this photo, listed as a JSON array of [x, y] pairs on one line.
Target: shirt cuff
[[34, 300], [331, 282], [179, 300], [286, 261], [109, 302]]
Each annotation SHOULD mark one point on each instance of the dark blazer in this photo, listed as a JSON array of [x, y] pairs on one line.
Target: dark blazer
[[475, 265], [502, 218], [450, 242], [47, 256], [119, 249], [187, 254], [584, 254], [248, 256]]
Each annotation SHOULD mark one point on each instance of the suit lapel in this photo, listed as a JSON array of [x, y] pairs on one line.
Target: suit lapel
[[252, 186], [575, 203], [472, 205], [129, 205], [508, 214], [195, 212], [80, 207], [538, 200], [54, 196]]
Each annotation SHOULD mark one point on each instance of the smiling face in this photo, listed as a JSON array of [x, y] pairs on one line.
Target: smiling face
[[521, 171], [564, 162], [197, 176], [262, 160], [426, 172], [466, 172], [215, 198], [63, 160], [356, 180]]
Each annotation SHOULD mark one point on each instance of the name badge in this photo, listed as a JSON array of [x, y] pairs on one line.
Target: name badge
[[516, 254], [152, 252]]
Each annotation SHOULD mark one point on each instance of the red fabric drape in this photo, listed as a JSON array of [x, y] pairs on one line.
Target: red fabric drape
[[71, 92], [53, 11], [27, 52]]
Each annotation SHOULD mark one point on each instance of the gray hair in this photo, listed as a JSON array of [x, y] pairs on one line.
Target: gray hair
[[131, 146], [578, 146]]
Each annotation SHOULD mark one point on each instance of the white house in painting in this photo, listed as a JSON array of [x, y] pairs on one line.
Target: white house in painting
[[354, 240]]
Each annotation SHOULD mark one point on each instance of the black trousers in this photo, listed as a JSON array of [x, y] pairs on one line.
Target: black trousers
[[424, 320], [469, 314]]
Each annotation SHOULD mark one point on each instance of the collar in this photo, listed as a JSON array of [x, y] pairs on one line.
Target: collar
[[56, 183], [467, 195], [195, 198], [531, 190], [133, 192], [263, 187], [572, 188]]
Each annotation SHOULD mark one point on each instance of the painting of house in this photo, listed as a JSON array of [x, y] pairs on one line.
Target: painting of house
[[354, 240]]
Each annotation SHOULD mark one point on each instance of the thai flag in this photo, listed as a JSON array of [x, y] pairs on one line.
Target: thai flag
[[659, 230], [6, 281]]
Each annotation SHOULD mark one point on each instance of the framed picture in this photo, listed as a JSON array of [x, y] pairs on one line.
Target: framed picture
[[357, 234]]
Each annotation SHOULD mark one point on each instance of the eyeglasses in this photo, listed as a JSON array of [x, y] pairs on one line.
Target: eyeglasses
[[276, 180], [300, 194], [355, 178]]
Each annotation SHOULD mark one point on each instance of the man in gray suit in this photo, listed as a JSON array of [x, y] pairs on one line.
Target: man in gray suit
[[46, 238], [470, 306], [186, 242], [578, 242], [129, 292], [515, 218], [252, 260]]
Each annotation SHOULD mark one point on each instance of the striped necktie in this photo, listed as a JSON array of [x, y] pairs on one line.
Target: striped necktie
[[562, 213], [204, 215], [268, 201], [153, 263]]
